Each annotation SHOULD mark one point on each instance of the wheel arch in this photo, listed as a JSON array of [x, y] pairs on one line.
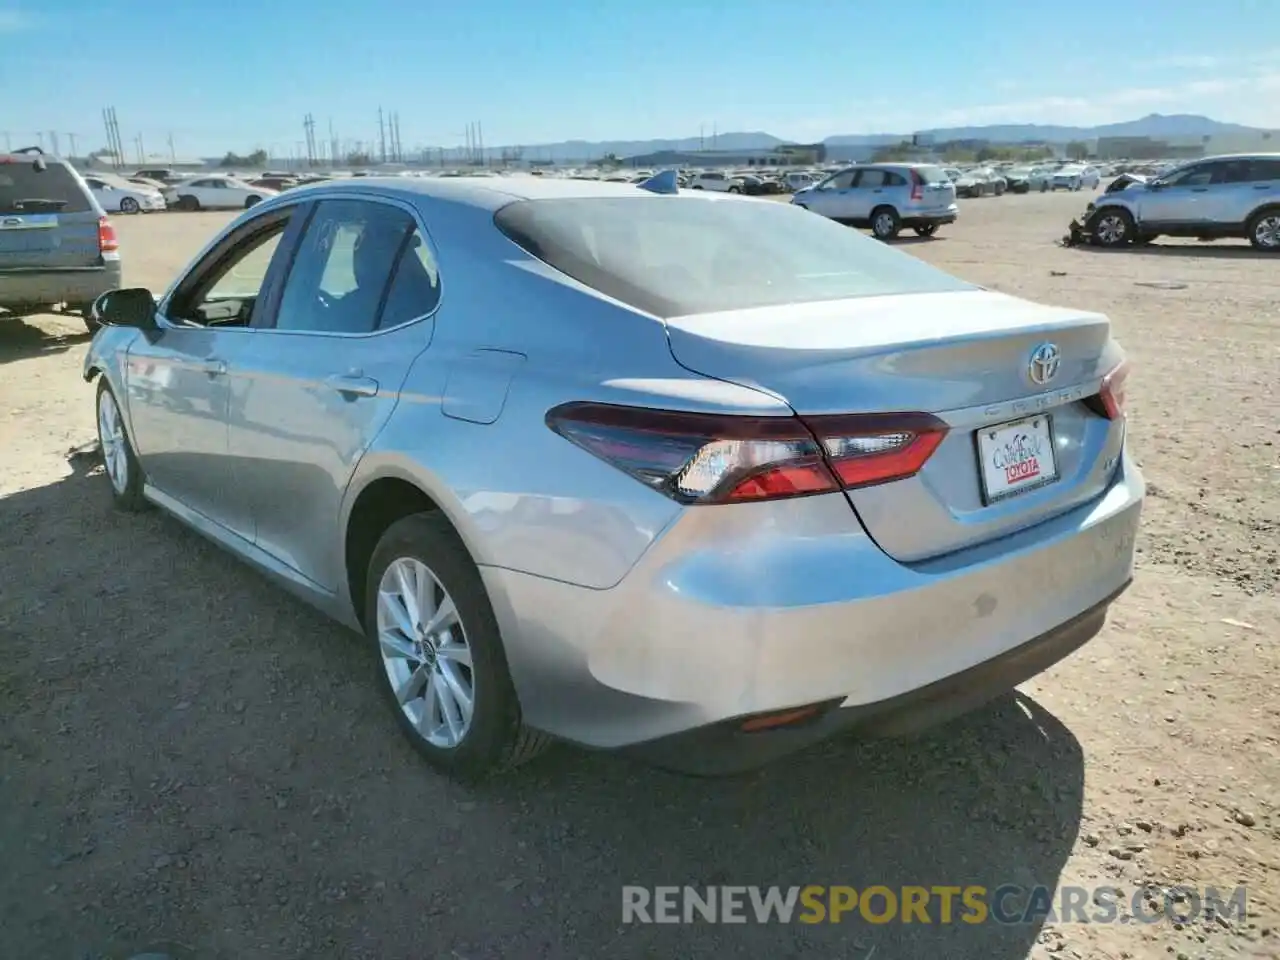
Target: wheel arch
[[381, 497], [1269, 206]]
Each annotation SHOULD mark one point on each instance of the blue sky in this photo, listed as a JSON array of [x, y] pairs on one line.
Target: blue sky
[[231, 74]]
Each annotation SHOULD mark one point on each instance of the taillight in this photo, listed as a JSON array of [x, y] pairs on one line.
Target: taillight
[[917, 186], [1112, 393], [107, 239], [700, 458]]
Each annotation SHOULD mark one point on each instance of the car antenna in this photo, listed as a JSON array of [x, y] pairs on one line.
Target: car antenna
[[665, 182]]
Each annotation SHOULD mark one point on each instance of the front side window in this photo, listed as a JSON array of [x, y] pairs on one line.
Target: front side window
[[225, 293], [343, 266], [1197, 176], [841, 181]]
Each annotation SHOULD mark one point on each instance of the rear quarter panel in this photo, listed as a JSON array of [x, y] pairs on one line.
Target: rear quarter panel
[[521, 496]]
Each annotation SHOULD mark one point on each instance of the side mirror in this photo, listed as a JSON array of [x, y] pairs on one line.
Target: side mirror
[[130, 307]]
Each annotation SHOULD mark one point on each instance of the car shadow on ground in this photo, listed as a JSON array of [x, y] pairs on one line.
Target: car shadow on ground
[[192, 757], [1199, 251], [20, 340]]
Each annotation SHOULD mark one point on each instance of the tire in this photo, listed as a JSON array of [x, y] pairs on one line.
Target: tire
[[250, 201], [734, 190], [491, 738], [885, 223], [999, 190], [697, 186], [120, 464], [129, 205], [1264, 230], [926, 229], [188, 203], [1112, 227]]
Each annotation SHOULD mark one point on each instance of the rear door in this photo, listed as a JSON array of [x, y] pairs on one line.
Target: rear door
[[48, 219], [311, 390]]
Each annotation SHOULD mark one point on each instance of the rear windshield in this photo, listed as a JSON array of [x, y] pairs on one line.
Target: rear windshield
[[932, 175], [21, 184], [673, 256]]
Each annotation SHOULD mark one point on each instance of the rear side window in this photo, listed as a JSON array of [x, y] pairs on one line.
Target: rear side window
[[21, 184], [933, 175], [673, 256], [1265, 169]]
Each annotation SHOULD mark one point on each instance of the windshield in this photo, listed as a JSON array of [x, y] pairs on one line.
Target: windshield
[[674, 256]]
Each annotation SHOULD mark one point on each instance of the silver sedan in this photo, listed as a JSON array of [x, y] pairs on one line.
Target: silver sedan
[[704, 478]]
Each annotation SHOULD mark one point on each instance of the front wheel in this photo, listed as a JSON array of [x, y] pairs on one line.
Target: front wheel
[[1112, 227], [250, 201], [1264, 231], [440, 658], [129, 205], [926, 229], [885, 223], [118, 459], [189, 203]]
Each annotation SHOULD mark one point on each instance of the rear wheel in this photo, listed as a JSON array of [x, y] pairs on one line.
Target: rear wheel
[[441, 663], [735, 190], [1264, 230], [129, 205], [188, 202], [926, 229], [1112, 227]]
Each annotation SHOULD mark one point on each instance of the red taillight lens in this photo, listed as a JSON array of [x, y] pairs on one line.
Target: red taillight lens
[[709, 458], [1112, 393], [107, 239], [917, 186]]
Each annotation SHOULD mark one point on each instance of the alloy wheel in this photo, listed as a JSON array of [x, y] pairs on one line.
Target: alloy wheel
[[115, 457], [1267, 232], [424, 650], [1111, 229]]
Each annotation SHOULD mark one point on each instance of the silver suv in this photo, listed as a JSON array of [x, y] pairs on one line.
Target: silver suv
[[885, 197], [1229, 196], [57, 247]]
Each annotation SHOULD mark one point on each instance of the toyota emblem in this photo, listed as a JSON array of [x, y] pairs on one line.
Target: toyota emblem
[[1044, 363]]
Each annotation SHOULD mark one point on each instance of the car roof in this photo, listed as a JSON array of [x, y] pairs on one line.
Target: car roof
[[485, 193]]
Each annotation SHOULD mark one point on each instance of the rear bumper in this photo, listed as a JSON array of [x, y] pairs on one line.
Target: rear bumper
[[724, 748], [765, 607], [928, 219], [26, 289]]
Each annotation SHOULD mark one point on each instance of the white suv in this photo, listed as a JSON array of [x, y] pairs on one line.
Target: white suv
[[885, 197], [714, 180], [1230, 196]]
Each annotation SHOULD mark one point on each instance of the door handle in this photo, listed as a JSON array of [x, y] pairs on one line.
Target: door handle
[[1264, 186], [214, 368], [1199, 189], [353, 385]]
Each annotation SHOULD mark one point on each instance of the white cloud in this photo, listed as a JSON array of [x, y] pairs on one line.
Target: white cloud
[[12, 21]]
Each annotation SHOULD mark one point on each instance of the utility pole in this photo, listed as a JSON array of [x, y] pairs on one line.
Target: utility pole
[[72, 138], [41, 138], [53, 142], [399, 142], [333, 144], [142, 153], [382, 136], [173, 154], [480, 133], [8, 142]]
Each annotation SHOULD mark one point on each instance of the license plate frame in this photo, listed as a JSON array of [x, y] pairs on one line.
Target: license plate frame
[[986, 442]]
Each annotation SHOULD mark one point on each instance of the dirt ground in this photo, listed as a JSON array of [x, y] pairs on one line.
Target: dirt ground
[[193, 762]]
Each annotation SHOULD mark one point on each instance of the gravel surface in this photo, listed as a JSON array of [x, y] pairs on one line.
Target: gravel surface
[[195, 765]]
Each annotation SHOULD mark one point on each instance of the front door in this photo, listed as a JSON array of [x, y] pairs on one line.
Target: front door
[[831, 197], [1178, 200], [176, 378], [311, 391]]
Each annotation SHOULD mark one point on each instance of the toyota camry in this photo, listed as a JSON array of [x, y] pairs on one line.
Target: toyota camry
[[699, 477]]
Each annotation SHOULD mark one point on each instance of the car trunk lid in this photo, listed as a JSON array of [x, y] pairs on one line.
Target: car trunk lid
[[964, 356]]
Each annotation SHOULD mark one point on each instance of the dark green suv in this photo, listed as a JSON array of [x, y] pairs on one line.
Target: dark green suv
[[58, 250]]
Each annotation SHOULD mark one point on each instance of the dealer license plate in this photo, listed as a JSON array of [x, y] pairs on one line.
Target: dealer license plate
[[1016, 457]]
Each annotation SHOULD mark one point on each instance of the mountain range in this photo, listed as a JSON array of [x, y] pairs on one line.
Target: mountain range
[[1157, 126]]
